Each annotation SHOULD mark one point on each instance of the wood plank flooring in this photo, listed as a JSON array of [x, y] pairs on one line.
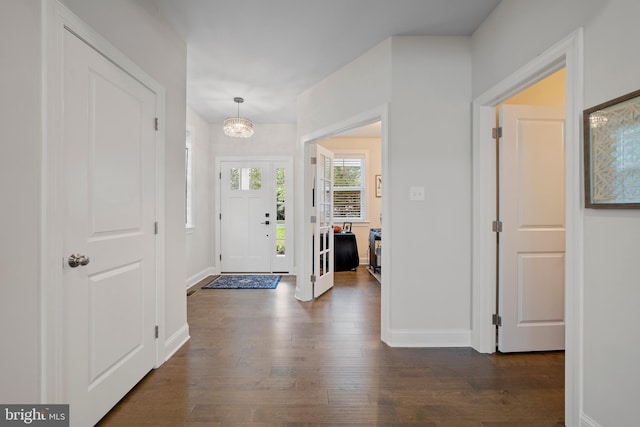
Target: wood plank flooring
[[261, 358]]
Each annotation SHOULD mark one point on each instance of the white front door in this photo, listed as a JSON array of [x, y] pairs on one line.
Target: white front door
[[108, 201], [247, 216], [532, 243], [323, 221]]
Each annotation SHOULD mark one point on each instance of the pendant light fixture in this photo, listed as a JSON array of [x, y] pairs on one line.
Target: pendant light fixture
[[238, 127]]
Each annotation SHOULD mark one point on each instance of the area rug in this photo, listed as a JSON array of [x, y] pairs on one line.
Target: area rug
[[248, 281]]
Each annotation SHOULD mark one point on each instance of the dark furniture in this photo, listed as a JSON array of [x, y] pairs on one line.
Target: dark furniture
[[345, 252], [375, 249]]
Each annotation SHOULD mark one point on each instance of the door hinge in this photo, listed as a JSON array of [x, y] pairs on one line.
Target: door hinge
[[155, 227], [313, 219], [156, 123], [496, 320], [496, 226], [314, 160], [313, 278], [219, 175], [157, 331], [220, 217], [220, 257], [496, 133]]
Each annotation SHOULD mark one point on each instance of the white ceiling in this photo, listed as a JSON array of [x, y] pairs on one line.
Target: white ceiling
[[269, 51]]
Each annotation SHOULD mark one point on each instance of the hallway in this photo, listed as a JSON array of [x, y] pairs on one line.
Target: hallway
[[262, 358]]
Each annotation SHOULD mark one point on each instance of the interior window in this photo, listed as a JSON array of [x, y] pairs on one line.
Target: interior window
[[349, 188]]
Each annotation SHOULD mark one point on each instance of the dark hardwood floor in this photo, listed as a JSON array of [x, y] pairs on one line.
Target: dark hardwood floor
[[261, 358]]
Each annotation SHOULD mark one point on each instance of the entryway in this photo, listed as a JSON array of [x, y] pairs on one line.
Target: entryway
[[255, 226]]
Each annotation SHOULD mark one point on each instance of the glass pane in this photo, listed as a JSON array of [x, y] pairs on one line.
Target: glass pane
[[348, 172], [321, 265], [280, 238], [326, 218], [327, 168], [347, 204], [235, 178], [326, 258], [280, 177], [280, 211], [255, 175]]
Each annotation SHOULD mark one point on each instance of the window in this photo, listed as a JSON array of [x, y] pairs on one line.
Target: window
[[349, 187], [188, 167], [246, 179], [280, 212]]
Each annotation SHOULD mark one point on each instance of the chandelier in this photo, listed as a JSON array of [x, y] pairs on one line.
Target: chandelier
[[238, 127]]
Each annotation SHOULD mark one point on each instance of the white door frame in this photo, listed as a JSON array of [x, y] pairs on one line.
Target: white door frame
[[218, 200], [304, 287], [57, 19], [567, 53]]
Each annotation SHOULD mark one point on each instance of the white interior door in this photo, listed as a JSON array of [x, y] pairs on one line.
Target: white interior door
[[323, 225], [109, 199], [246, 217], [532, 244]]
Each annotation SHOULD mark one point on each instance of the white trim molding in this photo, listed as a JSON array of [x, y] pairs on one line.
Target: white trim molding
[[193, 280], [566, 53], [429, 338], [175, 341], [585, 421]]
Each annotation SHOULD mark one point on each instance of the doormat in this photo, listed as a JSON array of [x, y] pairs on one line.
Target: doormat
[[249, 281]]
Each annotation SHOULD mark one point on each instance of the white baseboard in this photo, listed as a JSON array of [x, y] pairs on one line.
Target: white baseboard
[[175, 341], [428, 338], [209, 271], [585, 421]]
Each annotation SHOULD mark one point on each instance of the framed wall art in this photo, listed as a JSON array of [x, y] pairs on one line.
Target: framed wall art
[[612, 153]]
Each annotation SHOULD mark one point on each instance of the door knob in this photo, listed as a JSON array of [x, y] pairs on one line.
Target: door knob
[[76, 260], [265, 223]]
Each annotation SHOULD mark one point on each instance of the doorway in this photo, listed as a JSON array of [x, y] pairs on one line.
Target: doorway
[[356, 207], [255, 215], [530, 212], [107, 227], [566, 53]]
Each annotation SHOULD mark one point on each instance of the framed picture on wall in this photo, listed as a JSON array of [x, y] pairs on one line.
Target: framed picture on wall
[[612, 153], [378, 185]]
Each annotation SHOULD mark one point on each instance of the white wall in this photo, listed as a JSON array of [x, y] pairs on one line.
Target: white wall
[[268, 140], [199, 239], [429, 147], [427, 81], [611, 348], [20, 176], [135, 28]]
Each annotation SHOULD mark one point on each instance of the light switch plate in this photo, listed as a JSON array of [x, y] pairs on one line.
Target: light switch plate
[[416, 193]]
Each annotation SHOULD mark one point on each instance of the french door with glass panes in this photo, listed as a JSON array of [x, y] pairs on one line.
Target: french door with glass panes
[[256, 232]]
